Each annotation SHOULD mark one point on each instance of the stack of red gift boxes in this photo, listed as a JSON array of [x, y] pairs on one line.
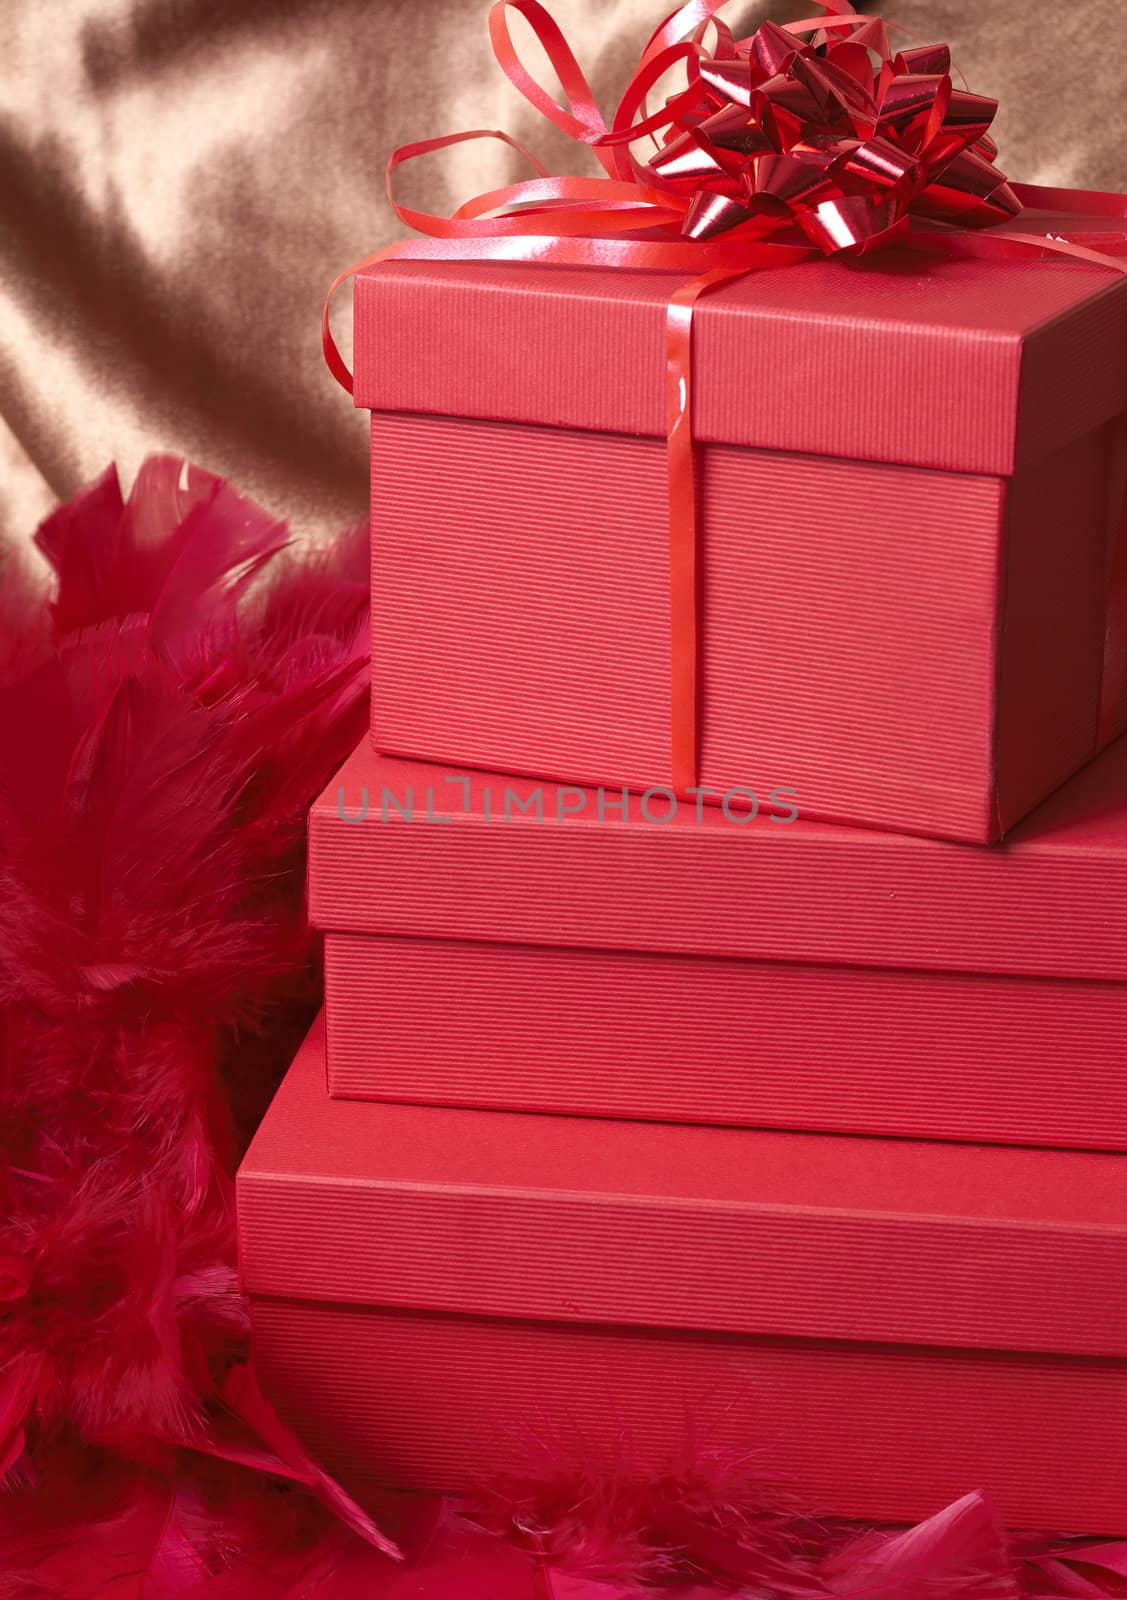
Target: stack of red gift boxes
[[787, 1111]]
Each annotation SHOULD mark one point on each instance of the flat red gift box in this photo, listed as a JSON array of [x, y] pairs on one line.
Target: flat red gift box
[[757, 972], [910, 473], [888, 1322]]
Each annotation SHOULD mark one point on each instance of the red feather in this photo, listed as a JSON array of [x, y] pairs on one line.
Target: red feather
[[168, 711], [166, 717], [960, 1551]]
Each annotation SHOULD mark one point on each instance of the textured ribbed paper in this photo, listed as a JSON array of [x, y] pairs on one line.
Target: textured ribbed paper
[[746, 1043], [971, 366], [880, 1433], [890, 624], [1052, 901], [891, 1320], [806, 1235]]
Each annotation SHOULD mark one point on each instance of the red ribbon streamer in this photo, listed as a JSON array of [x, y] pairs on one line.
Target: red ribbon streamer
[[777, 151]]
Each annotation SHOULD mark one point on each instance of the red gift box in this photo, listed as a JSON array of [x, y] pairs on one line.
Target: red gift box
[[910, 476], [888, 1322], [726, 970]]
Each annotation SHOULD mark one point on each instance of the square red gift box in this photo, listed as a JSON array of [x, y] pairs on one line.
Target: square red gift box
[[888, 1323], [498, 943], [910, 477]]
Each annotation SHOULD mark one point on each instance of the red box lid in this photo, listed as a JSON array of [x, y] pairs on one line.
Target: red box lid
[[1051, 900], [975, 366], [578, 1220]]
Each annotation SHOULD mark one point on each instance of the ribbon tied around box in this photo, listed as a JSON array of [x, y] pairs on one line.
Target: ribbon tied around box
[[804, 140]]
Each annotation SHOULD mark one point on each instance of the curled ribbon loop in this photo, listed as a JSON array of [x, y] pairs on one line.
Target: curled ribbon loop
[[803, 140], [831, 139]]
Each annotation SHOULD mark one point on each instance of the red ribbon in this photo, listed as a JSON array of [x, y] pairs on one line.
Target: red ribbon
[[805, 140]]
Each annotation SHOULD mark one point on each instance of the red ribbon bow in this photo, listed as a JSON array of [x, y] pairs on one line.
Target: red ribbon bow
[[840, 138], [776, 151]]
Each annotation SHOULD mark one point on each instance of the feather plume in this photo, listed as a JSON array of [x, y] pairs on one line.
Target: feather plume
[[167, 713], [169, 707]]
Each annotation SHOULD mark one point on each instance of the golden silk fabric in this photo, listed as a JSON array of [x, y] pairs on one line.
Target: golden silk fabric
[[180, 179]]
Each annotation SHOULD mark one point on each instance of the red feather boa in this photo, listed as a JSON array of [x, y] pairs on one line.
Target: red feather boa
[[170, 703]]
